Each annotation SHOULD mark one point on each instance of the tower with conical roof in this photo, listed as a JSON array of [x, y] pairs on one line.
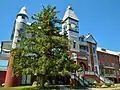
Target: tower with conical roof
[[70, 26], [19, 26]]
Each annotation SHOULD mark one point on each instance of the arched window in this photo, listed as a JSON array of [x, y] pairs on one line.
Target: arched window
[[74, 44]]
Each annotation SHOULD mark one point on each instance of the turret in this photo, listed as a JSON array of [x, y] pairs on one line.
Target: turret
[[70, 26], [19, 26], [70, 21], [70, 14]]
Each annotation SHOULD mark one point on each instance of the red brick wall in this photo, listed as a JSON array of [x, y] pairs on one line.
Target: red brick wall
[[79, 61], [91, 56], [109, 58], [2, 77], [103, 57]]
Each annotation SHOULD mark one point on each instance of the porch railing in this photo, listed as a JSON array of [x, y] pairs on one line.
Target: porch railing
[[110, 75]]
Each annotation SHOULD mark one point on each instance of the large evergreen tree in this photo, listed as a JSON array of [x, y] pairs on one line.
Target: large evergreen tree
[[42, 50]]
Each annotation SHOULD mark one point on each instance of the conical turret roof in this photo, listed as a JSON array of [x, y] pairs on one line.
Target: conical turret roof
[[70, 13], [23, 11]]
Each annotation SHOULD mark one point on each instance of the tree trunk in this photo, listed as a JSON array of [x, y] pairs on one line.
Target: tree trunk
[[41, 80]]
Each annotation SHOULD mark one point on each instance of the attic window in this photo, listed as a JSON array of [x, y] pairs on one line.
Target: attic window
[[23, 17], [82, 39]]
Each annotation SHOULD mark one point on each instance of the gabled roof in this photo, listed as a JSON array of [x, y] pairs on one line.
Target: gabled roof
[[70, 13], [89, 38], [23, 11]]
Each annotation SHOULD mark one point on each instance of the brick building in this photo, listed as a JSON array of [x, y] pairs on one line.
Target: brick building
[[4, 55], [97, 64], [85, 52], [109, 64]]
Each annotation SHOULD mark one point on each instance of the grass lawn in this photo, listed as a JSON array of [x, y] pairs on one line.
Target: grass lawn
[[45, 88], [30, 88], [20, 88]]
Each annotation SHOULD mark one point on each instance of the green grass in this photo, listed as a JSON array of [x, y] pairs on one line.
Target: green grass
[[35, 88], [30, 88], [20, 88]]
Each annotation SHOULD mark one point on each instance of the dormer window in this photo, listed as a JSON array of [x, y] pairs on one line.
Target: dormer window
[[82, 39]]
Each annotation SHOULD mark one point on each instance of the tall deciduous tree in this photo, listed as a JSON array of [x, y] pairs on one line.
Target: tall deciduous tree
[[42, 50]]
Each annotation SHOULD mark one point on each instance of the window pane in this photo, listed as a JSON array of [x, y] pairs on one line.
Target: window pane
[[74, 44], [23, 17]]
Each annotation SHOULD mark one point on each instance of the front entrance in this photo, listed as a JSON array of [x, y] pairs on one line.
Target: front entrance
[[26, 79]]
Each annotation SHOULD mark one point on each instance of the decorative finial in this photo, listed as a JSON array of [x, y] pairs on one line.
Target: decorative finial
[[70, 7]]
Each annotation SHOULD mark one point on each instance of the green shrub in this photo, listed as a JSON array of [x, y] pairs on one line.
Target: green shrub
[[104, 86], [99, 84], [109, 84], [46, 84], [35, 83]]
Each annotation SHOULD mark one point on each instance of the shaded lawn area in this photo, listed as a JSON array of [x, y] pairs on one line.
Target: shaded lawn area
[[20, 88], [45, 88], [29, 88]]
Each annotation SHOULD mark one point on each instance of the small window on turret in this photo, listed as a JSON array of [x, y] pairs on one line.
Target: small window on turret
[[74, 44], [23, 17]]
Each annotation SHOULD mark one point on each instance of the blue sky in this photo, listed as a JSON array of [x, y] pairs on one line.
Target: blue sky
[[101, 18]]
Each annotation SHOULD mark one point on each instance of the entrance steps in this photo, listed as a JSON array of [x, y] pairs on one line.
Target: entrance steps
[[92, 75]]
